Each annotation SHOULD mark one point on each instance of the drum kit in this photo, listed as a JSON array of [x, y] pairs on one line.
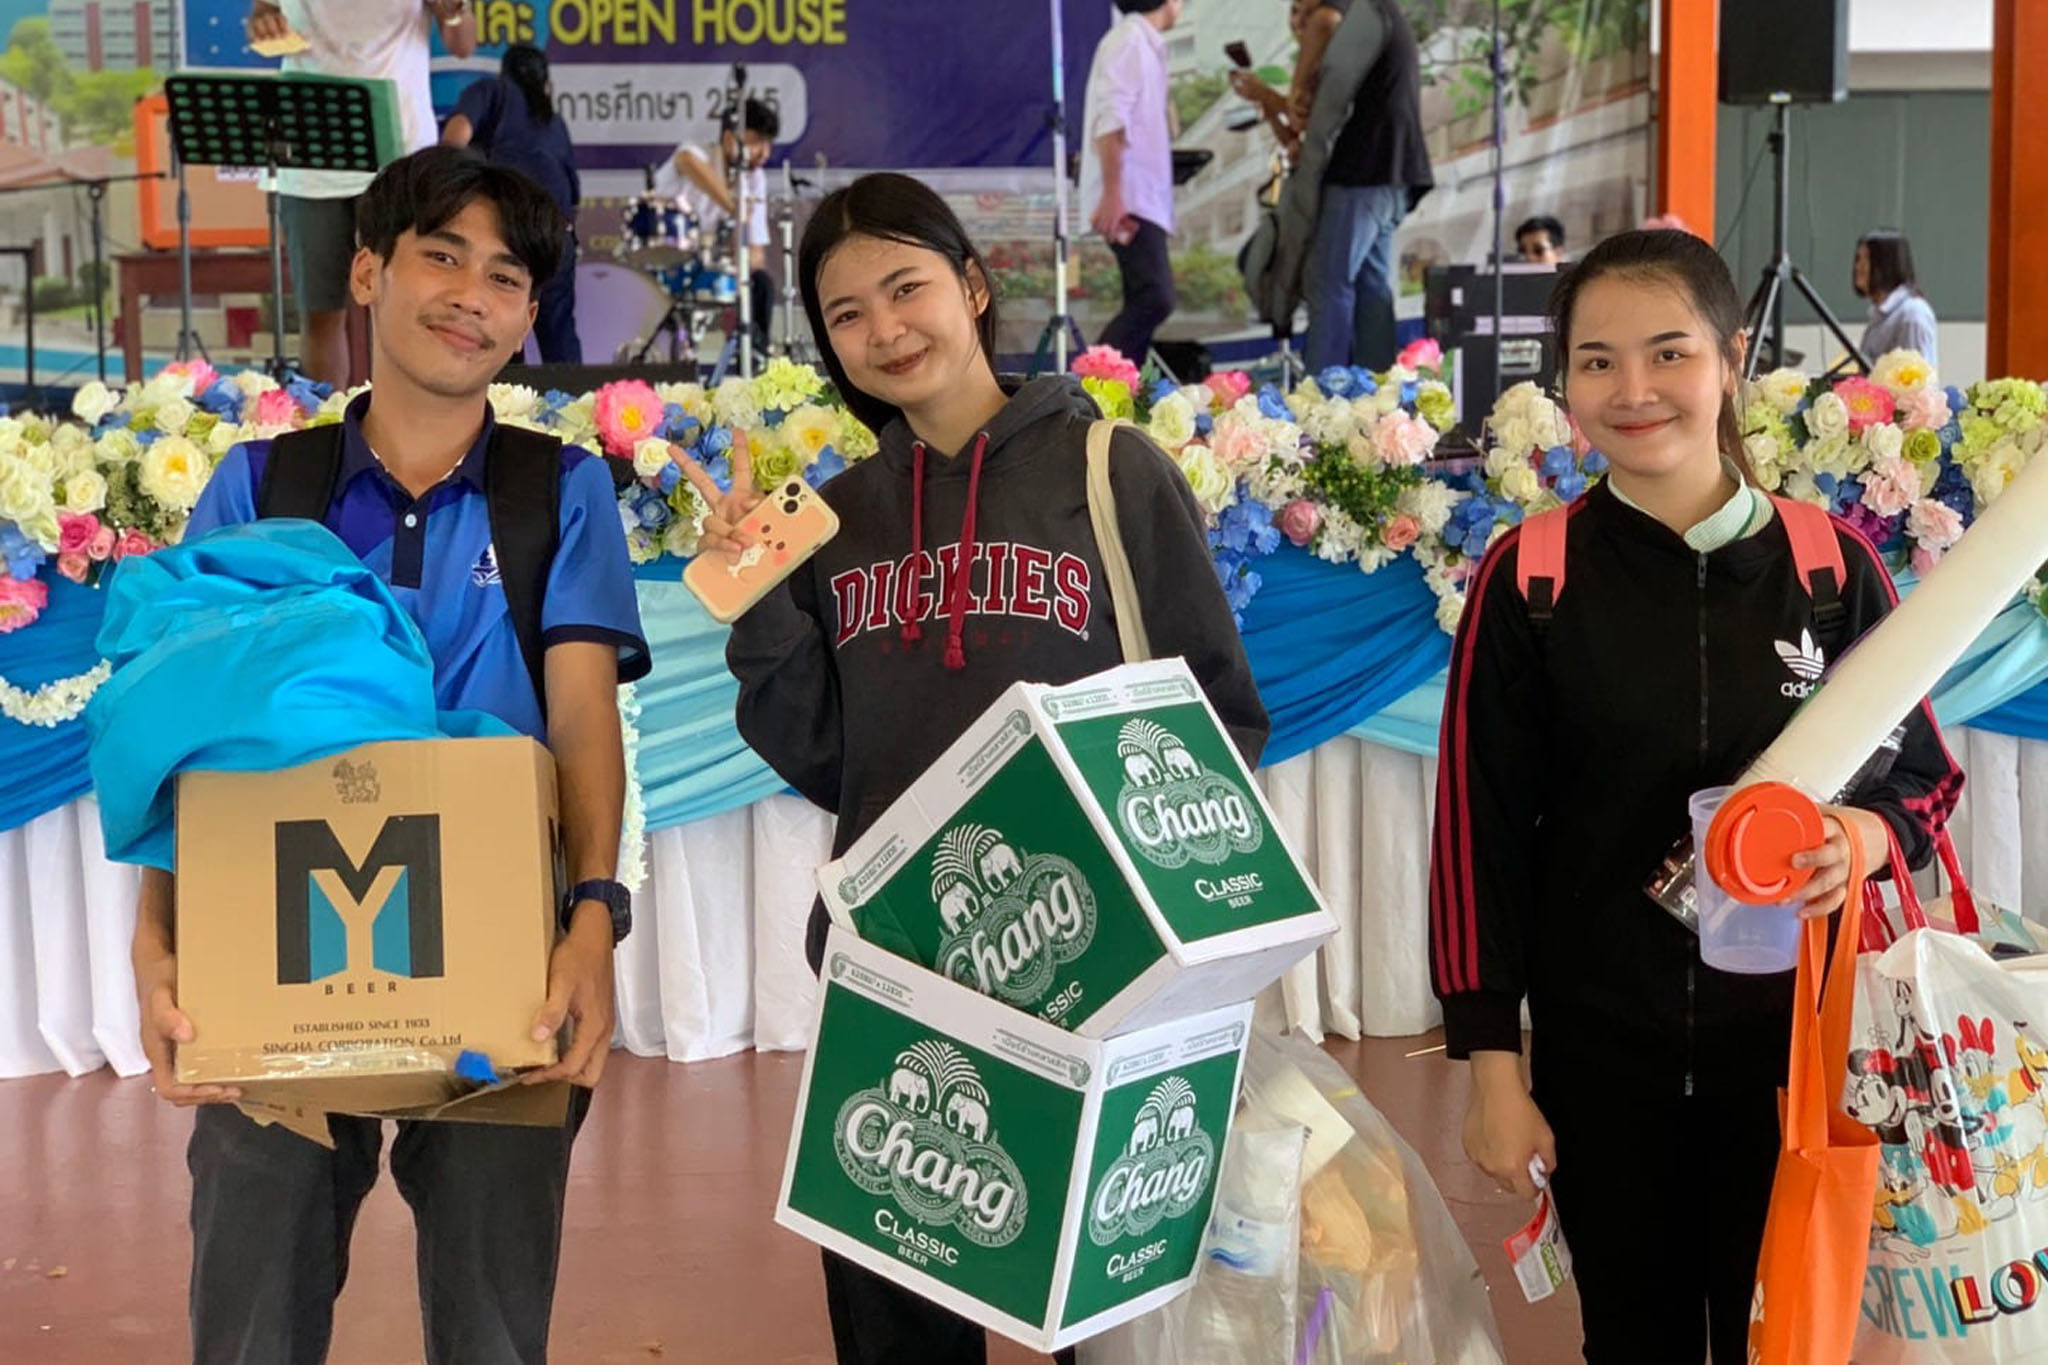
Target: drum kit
[[674, 279]]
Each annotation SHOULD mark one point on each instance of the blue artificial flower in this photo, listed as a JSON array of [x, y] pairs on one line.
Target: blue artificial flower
[[1569, 485], [1335, 382], [308, 395], [1204, 423], [222, 399], [720, 470], [1164, 390], [717, 441], [1826, 483], [1848, 492], [671, 475], [23, 555], [147, 438], [772, 417], [829, 465], [1408, 394], [1557, 461], [1363, 385], [1956, 401], [555, 398], [1595, 464], [654, 513], [1272, 406], [1267, 539]]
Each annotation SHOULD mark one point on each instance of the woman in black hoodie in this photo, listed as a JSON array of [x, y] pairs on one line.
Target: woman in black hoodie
[[858, 672], [1572, 739]]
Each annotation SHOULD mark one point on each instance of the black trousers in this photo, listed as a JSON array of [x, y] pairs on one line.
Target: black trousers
[[1662, 1203], [272, 1214], [1148, 291], [877, 1322]]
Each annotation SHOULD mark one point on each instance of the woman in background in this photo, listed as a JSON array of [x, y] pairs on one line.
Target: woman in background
[[1900, 316], [512, 121]]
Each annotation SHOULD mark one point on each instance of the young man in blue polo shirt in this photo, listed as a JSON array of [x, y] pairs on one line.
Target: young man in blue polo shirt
[[453, 252]]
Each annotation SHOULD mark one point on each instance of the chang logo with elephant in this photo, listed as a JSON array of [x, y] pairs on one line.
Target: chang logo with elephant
[[1163, 1171], [925, 1139], [1175, 811], [1009, 917]]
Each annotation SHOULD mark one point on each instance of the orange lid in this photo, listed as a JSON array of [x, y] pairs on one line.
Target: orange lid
[[1753, 837]]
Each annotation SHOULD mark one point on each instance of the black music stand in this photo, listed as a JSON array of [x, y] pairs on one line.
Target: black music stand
[[294, 120]]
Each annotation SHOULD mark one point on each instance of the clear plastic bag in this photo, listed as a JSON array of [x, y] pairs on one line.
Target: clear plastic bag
[[1385, 1277]]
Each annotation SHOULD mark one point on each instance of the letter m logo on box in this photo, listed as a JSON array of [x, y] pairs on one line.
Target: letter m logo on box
[[325, 900]]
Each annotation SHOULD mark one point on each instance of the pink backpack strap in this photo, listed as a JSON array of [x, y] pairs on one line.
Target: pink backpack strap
[[1817, 560], [1539, 563]]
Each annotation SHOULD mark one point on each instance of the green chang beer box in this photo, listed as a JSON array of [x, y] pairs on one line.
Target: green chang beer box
[[1096, 855], [1045, 1186]]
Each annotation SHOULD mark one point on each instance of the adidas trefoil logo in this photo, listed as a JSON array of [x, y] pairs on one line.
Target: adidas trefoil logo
[[1806, 663]]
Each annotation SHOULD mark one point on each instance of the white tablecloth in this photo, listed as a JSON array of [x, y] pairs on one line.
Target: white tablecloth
[[715, 963]]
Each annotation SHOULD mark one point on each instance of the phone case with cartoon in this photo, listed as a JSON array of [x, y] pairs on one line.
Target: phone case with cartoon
[[788, 527]]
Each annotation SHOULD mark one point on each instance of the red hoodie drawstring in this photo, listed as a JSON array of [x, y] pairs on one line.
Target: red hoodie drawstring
[[956, 625], [913, 630]]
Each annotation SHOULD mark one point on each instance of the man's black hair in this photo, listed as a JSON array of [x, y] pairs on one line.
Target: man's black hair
[[423, 192]]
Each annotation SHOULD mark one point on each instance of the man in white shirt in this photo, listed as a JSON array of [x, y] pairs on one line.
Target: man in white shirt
[[373, 39], [1127, 167], [699, 183]]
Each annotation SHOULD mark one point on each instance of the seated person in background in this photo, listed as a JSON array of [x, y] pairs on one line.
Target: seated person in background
[[1540, 241], [1900, 316]]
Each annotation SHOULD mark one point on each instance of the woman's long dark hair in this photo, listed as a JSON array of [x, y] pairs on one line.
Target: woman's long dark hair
[[1891, 263], [527, 68], [1691, 265], [891, 208]]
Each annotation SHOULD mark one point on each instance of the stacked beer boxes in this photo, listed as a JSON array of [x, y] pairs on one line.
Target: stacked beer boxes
[[1035, 1004]]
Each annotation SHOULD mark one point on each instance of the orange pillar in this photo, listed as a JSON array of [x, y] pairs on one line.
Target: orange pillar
[[2017, 298], [1686, 109]]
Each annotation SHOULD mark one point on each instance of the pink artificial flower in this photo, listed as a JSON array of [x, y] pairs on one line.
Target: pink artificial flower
[[277, 408], [202, 374], [1401, 532], [1934, 525], [1229, 385], [75, 532], [1403, 439], [627, 412], [1423, 353], [1300, 520], [1890, 487], [102, 547], [1868, 403], [1923, 410], [1107, 362], [1237, 444], [1925, 559], [133, 542], [74, 566], [21, 601]]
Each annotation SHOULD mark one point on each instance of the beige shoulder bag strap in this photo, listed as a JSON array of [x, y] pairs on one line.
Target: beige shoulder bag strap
[[1109, 543]]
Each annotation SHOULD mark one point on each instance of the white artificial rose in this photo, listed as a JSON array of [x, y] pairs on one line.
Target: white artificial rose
[[1520, 484], [93, 402], [1884, 441], [1450, 609], [1829, 416], [1206, 476], [1783, 389], [173, 415], [650, 457], [224, 438], [85, 491], [1173, 421]]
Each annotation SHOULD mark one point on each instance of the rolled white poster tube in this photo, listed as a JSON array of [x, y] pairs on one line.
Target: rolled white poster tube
[[1877, 684]]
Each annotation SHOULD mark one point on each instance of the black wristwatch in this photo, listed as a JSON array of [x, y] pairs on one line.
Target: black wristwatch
[[615, 897]]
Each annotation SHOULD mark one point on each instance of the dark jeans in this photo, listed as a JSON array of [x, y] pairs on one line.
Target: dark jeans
[[878, 1322], [1148, 292], [272, 1214], [1351, 277]]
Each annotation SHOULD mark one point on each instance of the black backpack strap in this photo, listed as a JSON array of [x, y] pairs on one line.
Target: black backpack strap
[[300, 475], [523, 483]]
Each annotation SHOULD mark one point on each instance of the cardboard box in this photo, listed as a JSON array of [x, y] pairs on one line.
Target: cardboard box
[[1043, 1185], [348, 928], [1096, 854]]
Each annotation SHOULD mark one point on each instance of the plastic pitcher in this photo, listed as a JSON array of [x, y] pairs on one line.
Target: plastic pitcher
[[1734, 937]]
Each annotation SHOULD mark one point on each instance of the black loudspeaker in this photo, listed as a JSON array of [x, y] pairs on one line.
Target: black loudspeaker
[[582, 379], [1784, 51], [1189, 360]]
